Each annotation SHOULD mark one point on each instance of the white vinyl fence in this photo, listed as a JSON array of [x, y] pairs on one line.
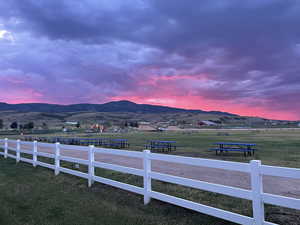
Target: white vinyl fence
[[254, 168]]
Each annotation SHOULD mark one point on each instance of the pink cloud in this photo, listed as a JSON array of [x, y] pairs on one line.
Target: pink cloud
[[174, 91]]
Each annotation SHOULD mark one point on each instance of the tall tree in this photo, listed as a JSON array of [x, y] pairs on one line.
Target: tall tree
[[1, 124], [29, 126], [14, 125], [44, 125]]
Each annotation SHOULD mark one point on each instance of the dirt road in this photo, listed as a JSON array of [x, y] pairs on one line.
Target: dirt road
[[274, 185]]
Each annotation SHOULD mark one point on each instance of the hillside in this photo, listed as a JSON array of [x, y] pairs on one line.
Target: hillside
[[116, 113], [115, 106]]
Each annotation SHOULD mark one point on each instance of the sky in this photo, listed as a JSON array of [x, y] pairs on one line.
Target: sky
[[236, 56]]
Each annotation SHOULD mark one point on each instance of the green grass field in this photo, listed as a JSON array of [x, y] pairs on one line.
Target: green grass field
[[34, 196], [275, 147]]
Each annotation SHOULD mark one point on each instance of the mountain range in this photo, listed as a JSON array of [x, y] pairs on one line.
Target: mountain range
[[114, 106]]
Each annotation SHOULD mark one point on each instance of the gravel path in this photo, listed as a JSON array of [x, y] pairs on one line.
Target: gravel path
[[274, 185]]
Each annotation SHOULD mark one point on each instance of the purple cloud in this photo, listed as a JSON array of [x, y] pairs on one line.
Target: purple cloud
[[91, 51]]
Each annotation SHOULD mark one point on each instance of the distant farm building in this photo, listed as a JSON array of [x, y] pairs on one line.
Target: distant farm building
[[146, 126], [144, 123], [75, 123], [207, 123], [173, 128], [98, 127]]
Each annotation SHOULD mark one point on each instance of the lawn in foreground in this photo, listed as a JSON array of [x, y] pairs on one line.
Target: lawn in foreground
[[34, 196]]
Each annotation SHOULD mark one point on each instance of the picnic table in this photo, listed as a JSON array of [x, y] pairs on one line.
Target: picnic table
[[246, 148], [106, 142], [91, 141], [157, 145], [117, 143], [29, 138]]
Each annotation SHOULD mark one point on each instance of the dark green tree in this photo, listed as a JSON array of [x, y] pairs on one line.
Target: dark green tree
[[1, 124], [134, 124], [28, 126], [44, 125], [14, 125]]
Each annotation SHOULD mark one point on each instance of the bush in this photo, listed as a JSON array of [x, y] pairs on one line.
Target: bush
[[14, 125]]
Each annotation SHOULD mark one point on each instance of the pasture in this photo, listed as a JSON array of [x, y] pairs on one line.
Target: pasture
[[275, 147], [66, 199]]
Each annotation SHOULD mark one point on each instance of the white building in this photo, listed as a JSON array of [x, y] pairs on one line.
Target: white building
[[72, 122], [209, 123]]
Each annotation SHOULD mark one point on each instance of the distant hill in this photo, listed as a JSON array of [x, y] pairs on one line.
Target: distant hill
[[115, 106]]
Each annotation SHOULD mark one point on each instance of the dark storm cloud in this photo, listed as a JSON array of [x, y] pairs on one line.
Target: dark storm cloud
[[246, 25], [88, 20], [247, 49]]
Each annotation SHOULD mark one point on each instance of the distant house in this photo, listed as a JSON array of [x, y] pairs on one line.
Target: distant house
[[146, 127], [98, 127], [207, 123], [144, 123], [161, 129], [72, 123], [163, 124], [116, 129], [173, 128], [298, 124]]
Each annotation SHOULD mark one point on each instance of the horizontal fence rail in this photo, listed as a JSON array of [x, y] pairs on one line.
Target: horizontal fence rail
[[254, 169], [217, 188], [218, 164]]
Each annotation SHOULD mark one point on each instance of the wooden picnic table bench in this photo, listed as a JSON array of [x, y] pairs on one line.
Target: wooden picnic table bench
[[246, 148], [29, 138], [117, 143], [106, 142], [87, 141], [157, 145], [92, 141]]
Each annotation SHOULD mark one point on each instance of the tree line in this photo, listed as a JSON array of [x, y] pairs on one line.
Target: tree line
[[16, 125]]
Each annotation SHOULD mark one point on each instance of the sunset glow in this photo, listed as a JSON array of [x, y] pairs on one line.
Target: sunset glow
[[155, 52]]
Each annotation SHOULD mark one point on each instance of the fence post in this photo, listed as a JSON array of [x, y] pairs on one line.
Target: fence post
[[18, 151], [34, 155], [257, 190], [57, 158], [147, 177], [91, 165], [5, 147]]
